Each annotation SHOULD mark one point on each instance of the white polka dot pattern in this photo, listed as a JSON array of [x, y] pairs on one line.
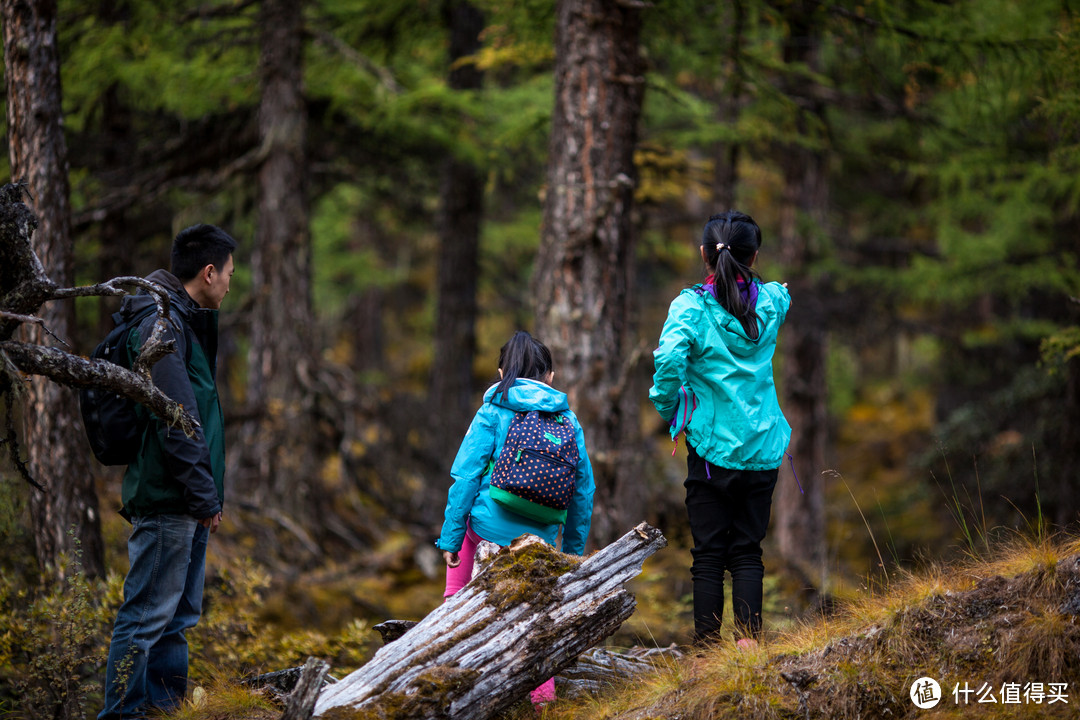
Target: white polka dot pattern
[[538, 461]]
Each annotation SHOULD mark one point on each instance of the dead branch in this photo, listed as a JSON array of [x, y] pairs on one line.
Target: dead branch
[[67, 369]]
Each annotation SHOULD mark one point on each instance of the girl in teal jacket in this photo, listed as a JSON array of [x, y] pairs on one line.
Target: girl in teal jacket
[[471, 515], [713, 380]]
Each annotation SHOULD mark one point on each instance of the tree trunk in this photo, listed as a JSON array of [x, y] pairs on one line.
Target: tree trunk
[[525, 617], [65, 517], [800, 516], [462, 201], [118, 242], [277, 461], [729, 106], [586, 257], [1063, 486]]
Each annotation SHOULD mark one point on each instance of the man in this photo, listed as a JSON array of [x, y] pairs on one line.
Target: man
[[173, 492]]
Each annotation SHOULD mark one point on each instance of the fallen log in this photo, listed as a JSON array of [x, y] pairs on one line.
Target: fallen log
[[280, 684], [530, 613], [599, 669], [301, 702]]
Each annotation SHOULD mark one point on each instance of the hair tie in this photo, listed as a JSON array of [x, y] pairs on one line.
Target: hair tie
[[720, 246]]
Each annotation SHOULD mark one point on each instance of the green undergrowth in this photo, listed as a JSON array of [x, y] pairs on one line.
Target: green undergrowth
[[54, 640]]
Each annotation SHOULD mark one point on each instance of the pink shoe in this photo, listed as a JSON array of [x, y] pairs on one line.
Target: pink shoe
[[542, 695], [746, 644]]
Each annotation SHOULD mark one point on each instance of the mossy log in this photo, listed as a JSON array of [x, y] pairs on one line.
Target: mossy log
[[521, 620]]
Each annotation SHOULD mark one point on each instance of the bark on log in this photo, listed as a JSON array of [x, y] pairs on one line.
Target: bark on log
[[281, 683], [521, 620], [600, 669], [301, 702]]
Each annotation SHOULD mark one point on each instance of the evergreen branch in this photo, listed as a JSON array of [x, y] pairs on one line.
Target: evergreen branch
[[983, 43], [358, 59], [211, 12], [146, 189]]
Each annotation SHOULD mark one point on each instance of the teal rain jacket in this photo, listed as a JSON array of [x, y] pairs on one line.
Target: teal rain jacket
[[737, 423], [468, 498]]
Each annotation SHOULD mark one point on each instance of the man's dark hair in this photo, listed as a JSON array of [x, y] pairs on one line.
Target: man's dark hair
[[198, 246]]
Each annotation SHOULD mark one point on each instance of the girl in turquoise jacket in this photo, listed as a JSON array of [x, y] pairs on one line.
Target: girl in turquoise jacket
[[471, 515], [713, 381]]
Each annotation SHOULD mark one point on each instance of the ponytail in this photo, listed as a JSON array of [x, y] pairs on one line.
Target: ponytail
[[523, 356], [730, 241]]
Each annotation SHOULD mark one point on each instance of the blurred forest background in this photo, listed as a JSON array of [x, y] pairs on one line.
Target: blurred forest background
[[412, 181]]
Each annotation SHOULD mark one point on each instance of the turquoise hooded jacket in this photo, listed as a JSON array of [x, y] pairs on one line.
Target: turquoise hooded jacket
[[468, 498], [737, 423]]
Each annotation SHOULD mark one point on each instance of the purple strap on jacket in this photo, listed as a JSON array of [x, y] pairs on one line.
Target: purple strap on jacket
[[792, 461], [683, 413]]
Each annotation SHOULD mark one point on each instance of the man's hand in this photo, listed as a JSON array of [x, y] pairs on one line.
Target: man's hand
[[211, 522], [451, 558]]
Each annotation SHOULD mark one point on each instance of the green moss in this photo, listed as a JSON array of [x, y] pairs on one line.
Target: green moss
[[527, 575]]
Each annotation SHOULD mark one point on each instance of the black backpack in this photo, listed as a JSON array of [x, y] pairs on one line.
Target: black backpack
[[114, 424]]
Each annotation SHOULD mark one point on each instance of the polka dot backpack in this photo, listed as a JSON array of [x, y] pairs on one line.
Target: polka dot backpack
[[535, 471]]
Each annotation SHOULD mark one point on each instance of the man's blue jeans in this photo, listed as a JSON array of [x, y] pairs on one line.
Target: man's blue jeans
[[148, 656]]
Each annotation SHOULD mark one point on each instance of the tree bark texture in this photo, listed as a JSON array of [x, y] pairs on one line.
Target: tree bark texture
[[1063, 487], [301, 702], [729, 107], [586, 258], [800, 513], [521, 620], [66, 519], [275, 457], [462, 203]]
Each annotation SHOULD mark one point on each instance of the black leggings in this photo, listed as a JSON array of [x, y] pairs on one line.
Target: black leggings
[[729, 514]]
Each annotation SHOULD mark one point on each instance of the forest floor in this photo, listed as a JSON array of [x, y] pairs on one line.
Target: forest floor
[[996, 630], [996, 637]]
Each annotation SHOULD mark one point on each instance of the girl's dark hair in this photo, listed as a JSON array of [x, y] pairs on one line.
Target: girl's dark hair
[[523, 356], [730, 240]]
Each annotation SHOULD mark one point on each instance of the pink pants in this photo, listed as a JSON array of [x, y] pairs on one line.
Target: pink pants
[[456, 578]]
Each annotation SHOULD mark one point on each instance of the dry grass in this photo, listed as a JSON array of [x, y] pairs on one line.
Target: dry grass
[[1009, 619], [226, 700]]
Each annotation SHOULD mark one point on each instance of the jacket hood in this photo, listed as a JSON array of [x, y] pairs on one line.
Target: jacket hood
[[771, 308], [181, 301], [525, 395]]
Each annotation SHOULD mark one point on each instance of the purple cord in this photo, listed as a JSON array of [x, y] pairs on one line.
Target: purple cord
[[792, 461]]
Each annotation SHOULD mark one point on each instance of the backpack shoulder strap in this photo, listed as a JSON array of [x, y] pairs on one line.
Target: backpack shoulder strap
[[135, 320]]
